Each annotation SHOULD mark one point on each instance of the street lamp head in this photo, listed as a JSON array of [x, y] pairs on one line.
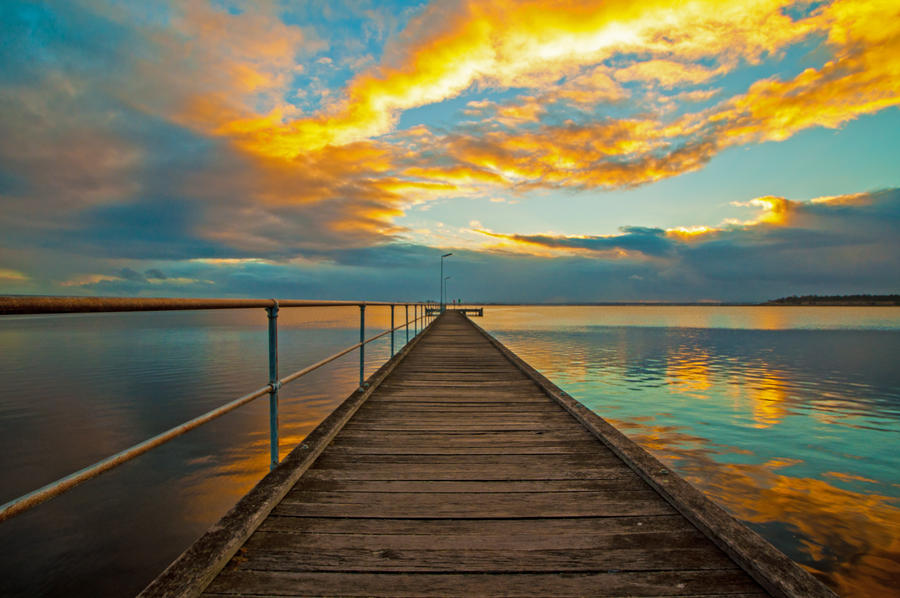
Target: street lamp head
[[447, 255]]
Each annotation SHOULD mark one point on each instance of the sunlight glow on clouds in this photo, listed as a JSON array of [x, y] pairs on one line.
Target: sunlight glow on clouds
[[265, 133]]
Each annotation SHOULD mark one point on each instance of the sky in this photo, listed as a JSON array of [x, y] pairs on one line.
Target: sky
[[699, 150]]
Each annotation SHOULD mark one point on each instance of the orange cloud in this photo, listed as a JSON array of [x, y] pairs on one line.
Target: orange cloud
[[212, 69], [447, 49], [865, 40], [234, 70]]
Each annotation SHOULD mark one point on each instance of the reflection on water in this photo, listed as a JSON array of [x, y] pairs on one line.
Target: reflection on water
[[789, 418], [77, 388]]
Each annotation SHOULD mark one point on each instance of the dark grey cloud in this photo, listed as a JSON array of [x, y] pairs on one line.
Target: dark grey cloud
[[648, 241], [850, 245]]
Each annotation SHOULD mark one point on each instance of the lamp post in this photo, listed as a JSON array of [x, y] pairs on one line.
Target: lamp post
[[442, 280], [446, 278]]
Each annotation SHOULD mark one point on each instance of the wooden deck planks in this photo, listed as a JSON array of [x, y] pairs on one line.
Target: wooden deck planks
[[734, 584], [460, 477]]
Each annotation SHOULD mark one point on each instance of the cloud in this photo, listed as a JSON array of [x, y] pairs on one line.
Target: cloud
[[845, 242], [591, 152], [136, 137], [7, 274], [452, 46], [575, 61], [101, 154], [155, 273], [666, 73], [633, 242], [206, 66]]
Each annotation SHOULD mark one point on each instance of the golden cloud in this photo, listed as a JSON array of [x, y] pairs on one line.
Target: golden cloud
[[449, 48], [577, 57]]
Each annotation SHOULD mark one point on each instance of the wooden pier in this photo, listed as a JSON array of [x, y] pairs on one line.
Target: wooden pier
[[460, 471], [466, 311]]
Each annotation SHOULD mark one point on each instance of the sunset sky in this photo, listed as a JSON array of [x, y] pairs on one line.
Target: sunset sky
[[563, 151]]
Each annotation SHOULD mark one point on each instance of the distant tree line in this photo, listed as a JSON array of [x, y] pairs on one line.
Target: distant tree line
[[837, 300]]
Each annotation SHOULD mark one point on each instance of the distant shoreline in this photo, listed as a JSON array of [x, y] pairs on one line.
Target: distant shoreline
[[838, 300], [686, 304]]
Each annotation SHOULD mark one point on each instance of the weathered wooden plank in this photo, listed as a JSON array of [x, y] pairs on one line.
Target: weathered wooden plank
[[414, 383], [459, 398], [527, 410], [482, 506], [461, 393], [552, 529], [623, 483], [470, 438], [450, 427], [461, 425], [469, 448], [463, 382], [474, 472], [488, 499], [547, 418], [452, 412], [282, 552], [620, 583], [478, 438], [330, 460], [268, 540]]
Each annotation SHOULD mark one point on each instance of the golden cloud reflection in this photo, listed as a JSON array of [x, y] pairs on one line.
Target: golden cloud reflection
[[689, 371], [221, 480], [851, 540], [768, 400]]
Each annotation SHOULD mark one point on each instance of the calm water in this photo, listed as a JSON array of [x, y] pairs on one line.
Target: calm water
[[787, 416], [77, 388]]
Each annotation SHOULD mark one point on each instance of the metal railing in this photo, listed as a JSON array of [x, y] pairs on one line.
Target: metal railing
[[59, 305]]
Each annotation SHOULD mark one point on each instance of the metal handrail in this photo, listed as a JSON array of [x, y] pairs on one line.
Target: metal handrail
[[44, 305], [28, 304]]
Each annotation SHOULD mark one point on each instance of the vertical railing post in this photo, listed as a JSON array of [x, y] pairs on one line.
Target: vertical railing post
[[362, 347], [274, 384], [392, 330], [406, 309], [415, 320]]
